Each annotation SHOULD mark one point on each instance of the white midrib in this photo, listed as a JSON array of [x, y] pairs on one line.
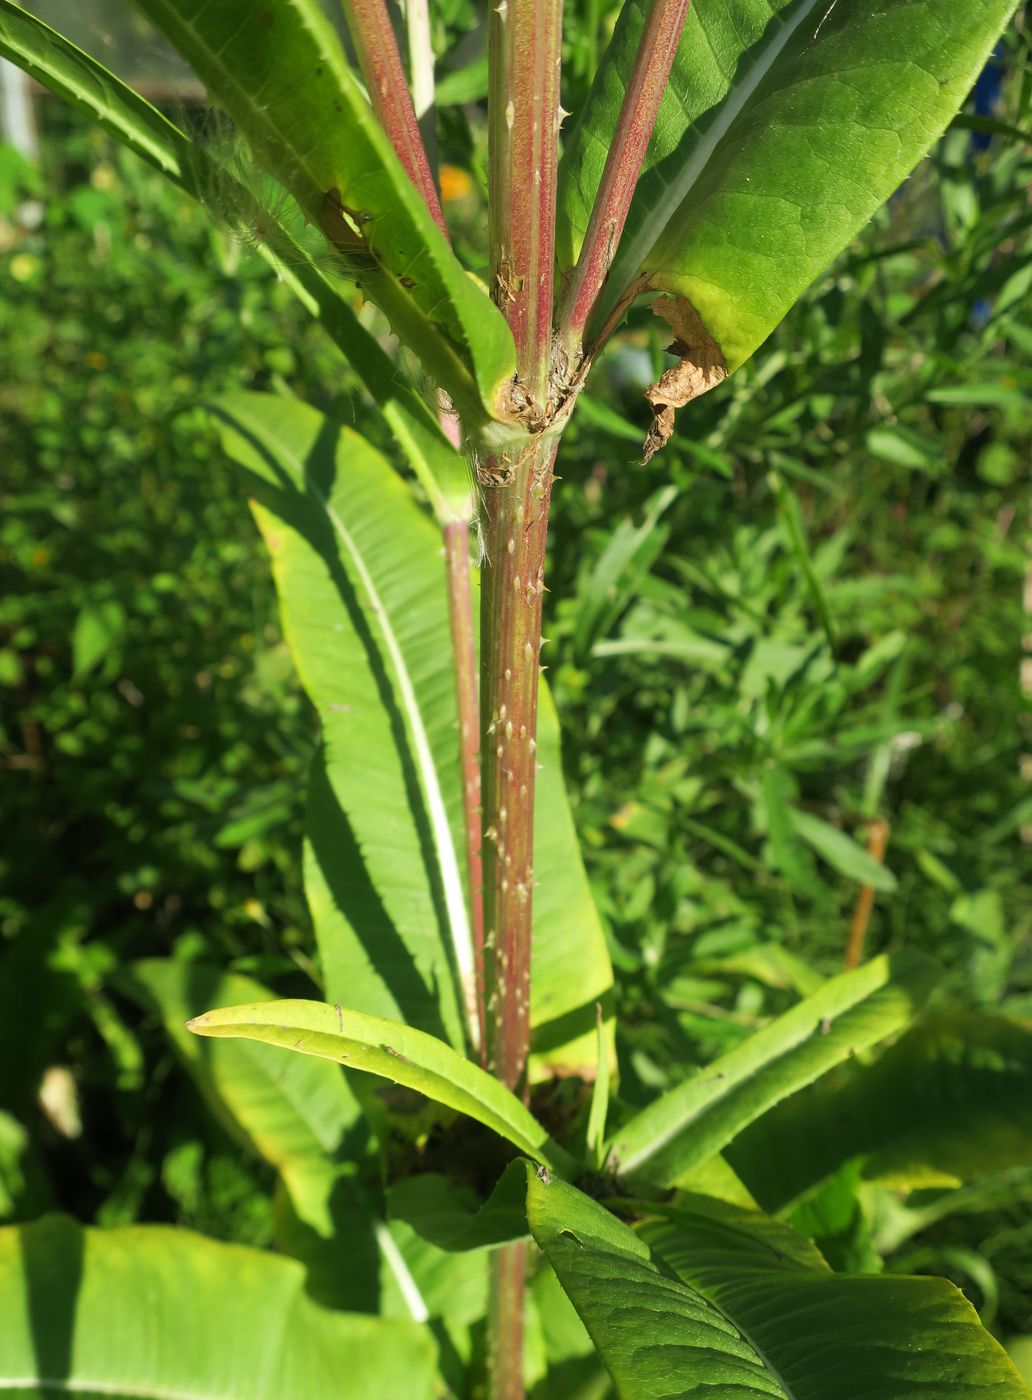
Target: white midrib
[[632, 256], [407, 1285], [451, 878]]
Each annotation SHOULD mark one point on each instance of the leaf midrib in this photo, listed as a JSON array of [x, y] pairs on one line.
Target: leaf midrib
[[451, 878]]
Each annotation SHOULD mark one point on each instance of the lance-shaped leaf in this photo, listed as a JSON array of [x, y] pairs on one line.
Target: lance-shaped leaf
[[397, 1052], [149, 1312], [281, 75], [785, 125], [90, 87], [947, 1103], [374, 877], [364, 606], [847, 1015], [725, 1302]]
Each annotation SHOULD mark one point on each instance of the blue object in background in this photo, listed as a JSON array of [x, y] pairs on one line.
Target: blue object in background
[[986, 94]]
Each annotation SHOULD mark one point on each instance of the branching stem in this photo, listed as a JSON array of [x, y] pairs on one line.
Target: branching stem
[[656, 53], [524, 41], [380, 60]]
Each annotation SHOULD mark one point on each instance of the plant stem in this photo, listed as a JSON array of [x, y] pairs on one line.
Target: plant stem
[[380, 60], [523, 127], [515, 519], [644, 92], [460, 609], [505, 1361], [877, 840], [421, 74], [524, 43]]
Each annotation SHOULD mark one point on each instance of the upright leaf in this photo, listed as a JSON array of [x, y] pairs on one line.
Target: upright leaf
[[697, 1119], [364, 606], [283, 78], [785, 125], [373, 877]]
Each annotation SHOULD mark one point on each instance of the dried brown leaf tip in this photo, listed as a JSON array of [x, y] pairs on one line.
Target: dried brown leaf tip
[[700, 367]]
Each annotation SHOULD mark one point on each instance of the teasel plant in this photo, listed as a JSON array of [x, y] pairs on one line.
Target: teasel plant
[[717, 166]]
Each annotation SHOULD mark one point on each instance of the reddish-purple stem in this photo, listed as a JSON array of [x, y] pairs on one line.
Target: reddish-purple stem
[[656, 53], [377, 47], [524, 41]]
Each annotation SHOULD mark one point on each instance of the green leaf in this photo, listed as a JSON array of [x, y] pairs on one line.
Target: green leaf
[[698, 1118], [299, 1115], [812, 1329], [150, 1313], [795, 531], [722, 1301], [284, 1110], [630, 553], [791, 859], [97, 632], [364, 606], [283, 78], [430, 1205], [784, 127], [947, 1103], [81, 80], [397, 1052], [596, 1129], [843, 853], [371, 882], [570, 969]]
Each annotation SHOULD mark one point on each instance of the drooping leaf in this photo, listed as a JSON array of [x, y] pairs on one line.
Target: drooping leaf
[[949, 1101], [727, 1302], [784, 127], [394, 1051], [90, 87], [149, 1312], [299, 1115], [700, 1117], [282, 76]]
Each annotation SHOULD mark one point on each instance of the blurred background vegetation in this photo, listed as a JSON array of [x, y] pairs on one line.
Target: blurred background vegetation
[[807, 614]]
